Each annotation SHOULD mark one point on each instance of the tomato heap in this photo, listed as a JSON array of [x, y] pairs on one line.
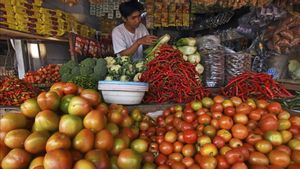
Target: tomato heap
[[225, 133], [69, 127]]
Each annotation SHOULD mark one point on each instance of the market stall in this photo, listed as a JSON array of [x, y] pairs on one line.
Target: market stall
[[219, 88]]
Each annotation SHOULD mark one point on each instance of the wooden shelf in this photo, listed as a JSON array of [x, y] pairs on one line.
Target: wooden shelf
[[12, 34]]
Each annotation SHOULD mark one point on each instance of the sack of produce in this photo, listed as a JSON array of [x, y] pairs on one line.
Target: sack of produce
[[213, 55]]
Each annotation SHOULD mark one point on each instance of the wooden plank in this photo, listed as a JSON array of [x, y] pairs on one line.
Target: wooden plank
[[12, 34]]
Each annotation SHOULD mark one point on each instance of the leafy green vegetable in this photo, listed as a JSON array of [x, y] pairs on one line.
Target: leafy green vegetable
[[187, 50], [149, 52], [186, 42], [194, 58]]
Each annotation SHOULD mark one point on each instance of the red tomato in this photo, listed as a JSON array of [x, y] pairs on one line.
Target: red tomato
[[178, 165], [234, 156], [274, 107], [218, 99], [255, 114], [225, 122], [190, 136], [161, 159], [176, 156], [258, 158], [163, 166], [189, 117], [178, 146], [294, 166], [268, 122], [239, 131], [208, 162], [219, 142], [217, 107], [194, 166], [279, 158], [253, 138], [229, 111], [166, 148], [296, 156], [216, 115], [188, 161], [243, 108], [295, 120], [239, 165], [204, 119], [221, 162], [209, 150]]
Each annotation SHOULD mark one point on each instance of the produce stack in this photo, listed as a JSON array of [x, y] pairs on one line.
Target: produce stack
[[45, 75], [224, 133], [189, 50], [123, 69], [14, 91], [69, 128], [86, 74]]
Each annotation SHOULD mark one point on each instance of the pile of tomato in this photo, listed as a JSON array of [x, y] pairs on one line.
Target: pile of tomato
[[225, 133]]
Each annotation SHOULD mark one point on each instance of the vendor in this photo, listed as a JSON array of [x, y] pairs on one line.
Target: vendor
[[129, 37]]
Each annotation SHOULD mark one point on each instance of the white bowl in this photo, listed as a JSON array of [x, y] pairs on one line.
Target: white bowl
[[127, 93]]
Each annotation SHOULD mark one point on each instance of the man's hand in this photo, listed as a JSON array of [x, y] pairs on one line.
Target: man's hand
[[147, 40]]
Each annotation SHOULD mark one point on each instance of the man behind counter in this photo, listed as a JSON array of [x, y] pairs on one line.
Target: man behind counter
[[129, 37]]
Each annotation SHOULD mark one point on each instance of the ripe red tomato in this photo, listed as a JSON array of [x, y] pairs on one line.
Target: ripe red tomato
[[255, 114], [163, 166], [229, 111], [243, 108], [253, 138], [188, 161], [274, 107], [219, 142], [221, 162], [204, 119], [178, 146], [217, 107], [178, 165], [176, 156], [161, 159], [233, 156], [218, 99], [189, 117], [268, 122], [239, 165], [295, 120], [207, 162], [296, 156], [190, 136], [239, 131], [225, 122], [166, 148], [258, 158], [279, 158]]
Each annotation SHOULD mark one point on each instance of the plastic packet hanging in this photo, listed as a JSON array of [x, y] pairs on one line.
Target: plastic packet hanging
[[236, 63], [213, 60]]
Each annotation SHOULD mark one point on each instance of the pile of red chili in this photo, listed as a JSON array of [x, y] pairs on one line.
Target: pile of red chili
[[255, 85], [14, 91], [171, 79]]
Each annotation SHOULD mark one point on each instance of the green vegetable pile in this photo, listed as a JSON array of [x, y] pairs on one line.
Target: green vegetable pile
[[188, 48], [123, 69], [86, 74]]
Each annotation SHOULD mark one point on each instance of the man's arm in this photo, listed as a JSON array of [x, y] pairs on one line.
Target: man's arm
[[146, 40]]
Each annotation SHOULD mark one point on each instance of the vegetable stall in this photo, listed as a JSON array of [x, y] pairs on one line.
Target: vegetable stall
[[219, 89]]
